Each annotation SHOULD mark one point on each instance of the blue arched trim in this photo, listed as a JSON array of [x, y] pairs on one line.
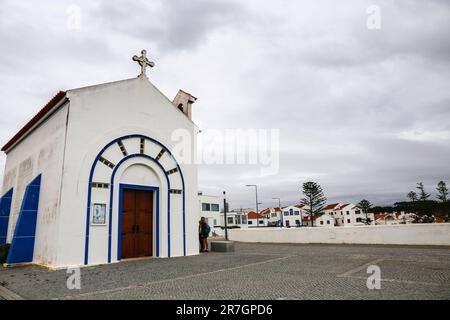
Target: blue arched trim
[[91, 175], [111, 196]]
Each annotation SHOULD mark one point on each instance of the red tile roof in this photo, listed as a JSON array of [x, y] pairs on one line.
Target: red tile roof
[[40, 115], [331, 206], [254, 215]]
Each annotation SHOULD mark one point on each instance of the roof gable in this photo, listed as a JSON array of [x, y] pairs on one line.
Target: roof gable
[[35, 120]]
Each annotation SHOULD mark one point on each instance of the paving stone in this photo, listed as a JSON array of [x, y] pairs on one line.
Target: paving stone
[[253, 271]]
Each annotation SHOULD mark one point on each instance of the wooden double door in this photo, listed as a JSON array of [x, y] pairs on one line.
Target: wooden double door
[[137, 223]]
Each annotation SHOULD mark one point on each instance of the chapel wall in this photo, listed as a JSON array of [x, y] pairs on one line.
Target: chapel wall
[[41, 152]]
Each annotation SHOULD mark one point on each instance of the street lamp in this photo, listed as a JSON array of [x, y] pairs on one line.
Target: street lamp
[[281, 211], [257, 211]]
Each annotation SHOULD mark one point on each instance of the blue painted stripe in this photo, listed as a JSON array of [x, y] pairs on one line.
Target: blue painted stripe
[[22, 246], [138, 155], [88, 206], [5, 211]]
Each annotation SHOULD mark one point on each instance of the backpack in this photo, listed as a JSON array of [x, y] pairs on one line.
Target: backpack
[[206, 229]]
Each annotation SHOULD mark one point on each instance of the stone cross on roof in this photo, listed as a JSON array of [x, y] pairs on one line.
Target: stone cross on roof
[[143, 62]]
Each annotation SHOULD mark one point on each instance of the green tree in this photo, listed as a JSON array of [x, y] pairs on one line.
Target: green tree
[[422, 194], [365, 206], [412, 196], [442, 191], [314, 199]]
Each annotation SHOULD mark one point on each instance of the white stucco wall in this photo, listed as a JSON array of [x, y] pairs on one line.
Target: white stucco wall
[[40, 153], [416, 234]]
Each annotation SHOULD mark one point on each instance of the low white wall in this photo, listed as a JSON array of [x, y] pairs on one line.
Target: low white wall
[[413, 234]]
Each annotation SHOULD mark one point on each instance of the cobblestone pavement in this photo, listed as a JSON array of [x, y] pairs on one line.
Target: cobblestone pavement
[[254, 271]]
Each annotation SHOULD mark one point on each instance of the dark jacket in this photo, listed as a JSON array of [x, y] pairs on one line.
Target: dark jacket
[[205, 229]]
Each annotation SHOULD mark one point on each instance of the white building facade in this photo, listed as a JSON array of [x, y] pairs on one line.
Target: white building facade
[[348, 214], [320, 220], [292, 216], [95, 167], [235, 219], [256, 220], [210, 209]]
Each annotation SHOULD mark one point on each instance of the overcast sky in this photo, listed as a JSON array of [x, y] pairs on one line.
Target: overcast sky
[[365, 113]]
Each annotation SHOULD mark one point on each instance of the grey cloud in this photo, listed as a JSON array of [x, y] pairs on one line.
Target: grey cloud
[[171, 25], [340, 94]]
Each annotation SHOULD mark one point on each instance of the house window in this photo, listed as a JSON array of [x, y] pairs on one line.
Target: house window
[[358, 212], [237, 219], [291, 212], [348, 221], [286, 213], [261, 221], [328, 221], [250, 222], [215, 222], [297, 222], [206, 207], [215, 207], [321, 222], [297, 213], [244, 220], [358, 219], [230, 220], [348, 212], [180, 107]]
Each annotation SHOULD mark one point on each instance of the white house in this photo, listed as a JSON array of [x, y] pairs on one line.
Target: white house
[[395, 218], [255, 220], [320, 220], [289, 216], [273, 216], [210, 209], [235, 219], [293, 215], [95, 177], [347, 214]]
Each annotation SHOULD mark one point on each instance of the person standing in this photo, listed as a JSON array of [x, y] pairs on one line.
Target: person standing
[[204, 230]]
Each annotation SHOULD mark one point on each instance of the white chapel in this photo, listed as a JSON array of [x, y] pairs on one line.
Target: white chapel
[[92, 178]]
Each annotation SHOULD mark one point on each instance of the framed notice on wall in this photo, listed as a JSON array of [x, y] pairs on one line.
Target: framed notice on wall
[[99, 214]]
